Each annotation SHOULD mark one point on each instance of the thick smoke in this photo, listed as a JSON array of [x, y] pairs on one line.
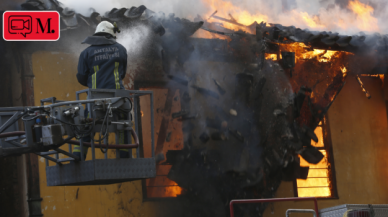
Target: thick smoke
[[323, 15], [10, 4], [180, 8]]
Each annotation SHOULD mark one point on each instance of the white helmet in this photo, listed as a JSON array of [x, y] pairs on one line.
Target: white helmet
[[107, 27]]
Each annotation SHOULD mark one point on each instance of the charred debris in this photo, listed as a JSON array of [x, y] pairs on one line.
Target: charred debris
[[246, 120]]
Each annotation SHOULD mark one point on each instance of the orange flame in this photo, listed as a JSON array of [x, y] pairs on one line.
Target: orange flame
[[271, 56], [344, 71], [311, 21], [303, 52], [225, 9], [173, 191], [364, 12], [317, 183], [358, 17]]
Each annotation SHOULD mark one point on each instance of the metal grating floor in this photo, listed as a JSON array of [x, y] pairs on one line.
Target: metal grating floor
[[380, 210], [101, 172]]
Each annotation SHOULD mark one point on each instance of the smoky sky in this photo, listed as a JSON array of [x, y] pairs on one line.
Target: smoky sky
[[329, 15], [379, 6], [11, 4], [342, 3]]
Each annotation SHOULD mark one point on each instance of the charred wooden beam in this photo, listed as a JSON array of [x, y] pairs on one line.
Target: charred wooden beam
[[178, 79], [189, 117], [229, 21], [232, 18], [212, 14]]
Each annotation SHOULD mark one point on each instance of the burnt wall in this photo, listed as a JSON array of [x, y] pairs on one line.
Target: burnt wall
[[360, 144], [351, 112]]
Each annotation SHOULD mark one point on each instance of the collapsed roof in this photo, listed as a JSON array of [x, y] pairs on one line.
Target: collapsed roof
[[360, 44]]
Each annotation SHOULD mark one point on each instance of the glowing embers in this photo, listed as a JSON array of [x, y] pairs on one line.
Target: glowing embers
[[318, 183], [173, 191], [320, 55], [161, 186], [303, 52], [344, 71], [271, 56]]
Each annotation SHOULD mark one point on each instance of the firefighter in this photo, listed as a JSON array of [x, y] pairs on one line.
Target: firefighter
[[103, 66]]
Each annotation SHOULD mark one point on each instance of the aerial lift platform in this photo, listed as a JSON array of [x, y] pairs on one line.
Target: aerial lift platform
[[50, 126]]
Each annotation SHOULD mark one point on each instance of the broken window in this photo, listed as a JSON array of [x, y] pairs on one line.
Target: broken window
[[320, 181]]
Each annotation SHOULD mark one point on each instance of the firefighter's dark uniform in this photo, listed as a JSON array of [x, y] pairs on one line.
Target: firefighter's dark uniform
[[102, 66]]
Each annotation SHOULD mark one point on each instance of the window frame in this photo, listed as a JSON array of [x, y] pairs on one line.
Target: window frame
[[328, 147]]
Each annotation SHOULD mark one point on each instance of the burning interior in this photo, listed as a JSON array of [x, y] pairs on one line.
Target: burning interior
[[240, 104]]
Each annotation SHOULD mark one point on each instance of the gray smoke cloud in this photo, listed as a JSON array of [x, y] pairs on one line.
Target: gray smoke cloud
[[134, 40], [180, 8], [324, 15]]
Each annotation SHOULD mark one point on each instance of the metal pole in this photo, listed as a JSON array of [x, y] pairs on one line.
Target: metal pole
[[92, 134], [152, 124], [300, 211], [12, 134], [13, 109], [67, 154], [121, 146], [81, 101], [117, 142], [92, 144], [13, 118], [129, 136], [81, 146], [57, 156], [52, 159], [135, 99], [106, 142]]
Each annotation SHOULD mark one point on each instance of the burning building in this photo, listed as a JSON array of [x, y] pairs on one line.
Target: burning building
[[244, 110]]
